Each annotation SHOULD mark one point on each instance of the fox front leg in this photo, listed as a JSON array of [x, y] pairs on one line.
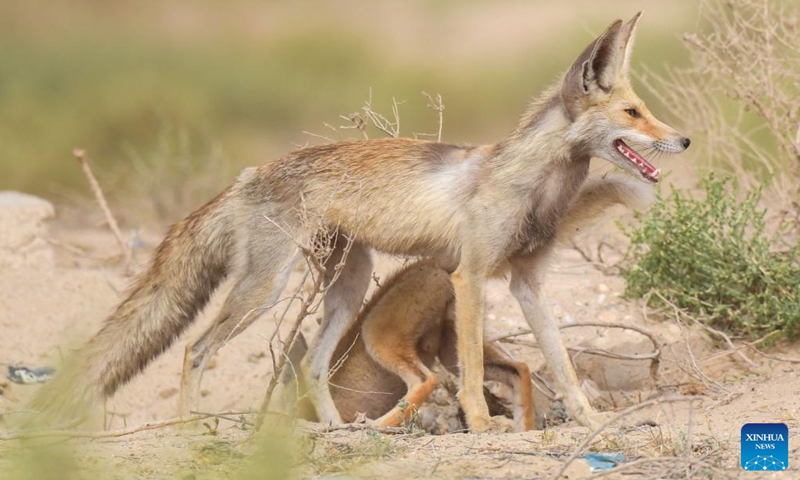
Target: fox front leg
[[470, 291], [527, 276]]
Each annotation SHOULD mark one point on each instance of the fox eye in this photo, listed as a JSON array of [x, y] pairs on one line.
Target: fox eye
[[633, 112]]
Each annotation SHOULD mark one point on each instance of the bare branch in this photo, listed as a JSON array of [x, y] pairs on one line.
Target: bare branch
[[438, 105], [628, 411], [125, 249]]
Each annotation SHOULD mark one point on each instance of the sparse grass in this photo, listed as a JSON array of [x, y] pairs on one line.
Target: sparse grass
[[337, 457], [548, 437], [218, 451]]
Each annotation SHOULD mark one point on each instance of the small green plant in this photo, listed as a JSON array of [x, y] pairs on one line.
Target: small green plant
[[714, 259]]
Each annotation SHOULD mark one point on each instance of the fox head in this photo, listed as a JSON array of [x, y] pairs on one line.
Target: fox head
[[606, 115]]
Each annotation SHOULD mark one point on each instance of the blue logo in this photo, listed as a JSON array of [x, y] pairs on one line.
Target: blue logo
[[765, 446]]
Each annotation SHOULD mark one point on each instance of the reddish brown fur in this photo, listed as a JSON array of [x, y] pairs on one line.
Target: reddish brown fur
[[387, 355]]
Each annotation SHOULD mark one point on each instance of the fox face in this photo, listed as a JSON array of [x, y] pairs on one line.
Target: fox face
[[607, 116]]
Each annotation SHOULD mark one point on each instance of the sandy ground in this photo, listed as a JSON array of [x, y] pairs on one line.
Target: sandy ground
[[45, 312]]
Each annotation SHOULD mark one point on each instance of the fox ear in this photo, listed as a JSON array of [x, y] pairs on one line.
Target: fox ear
[[595, 69], [625, 42]]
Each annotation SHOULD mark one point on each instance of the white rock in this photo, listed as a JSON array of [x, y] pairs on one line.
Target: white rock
[[23, 231]]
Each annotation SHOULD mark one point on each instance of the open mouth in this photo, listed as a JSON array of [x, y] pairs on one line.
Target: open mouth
[[649, 172]]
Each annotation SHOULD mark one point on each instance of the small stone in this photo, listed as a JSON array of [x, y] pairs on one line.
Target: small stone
[[601, 298], [569, 319], [256, 357], [491, 317], [205, 393], [23, 232], [212, 364], [602, 288], [168, 392]]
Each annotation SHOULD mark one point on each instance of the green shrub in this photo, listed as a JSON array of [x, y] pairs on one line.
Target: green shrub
[[714, 259]]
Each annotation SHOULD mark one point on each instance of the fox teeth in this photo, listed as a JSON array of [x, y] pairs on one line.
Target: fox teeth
[[629, 156]]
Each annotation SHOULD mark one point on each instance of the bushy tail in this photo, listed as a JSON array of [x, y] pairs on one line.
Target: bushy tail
[[599, 194], [187, 267]]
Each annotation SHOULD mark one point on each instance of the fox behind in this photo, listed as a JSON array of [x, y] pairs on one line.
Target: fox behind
[[478, 208]]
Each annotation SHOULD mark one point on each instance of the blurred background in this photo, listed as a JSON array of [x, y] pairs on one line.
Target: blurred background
[[178, 96]]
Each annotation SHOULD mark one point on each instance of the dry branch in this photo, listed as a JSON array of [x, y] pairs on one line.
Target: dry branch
[[316, 254], [311, 428], [745, 66], [438, 105], [127, 253], [654, 356], [323, 243], [628, 411], [681, 313], [101, 434]]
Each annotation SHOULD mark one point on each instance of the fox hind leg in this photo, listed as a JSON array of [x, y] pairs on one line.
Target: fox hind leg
[[420, 382], [343, 301], [268, 265], [498, 367]]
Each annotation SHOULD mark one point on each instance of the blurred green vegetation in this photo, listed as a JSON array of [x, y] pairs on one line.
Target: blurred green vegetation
[[111, 78], [266, 455]]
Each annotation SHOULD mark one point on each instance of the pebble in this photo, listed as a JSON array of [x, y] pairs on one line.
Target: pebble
[[23, 232], [166, 393]]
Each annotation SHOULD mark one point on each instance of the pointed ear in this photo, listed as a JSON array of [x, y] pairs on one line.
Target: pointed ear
[[625, 42], [596, 68]]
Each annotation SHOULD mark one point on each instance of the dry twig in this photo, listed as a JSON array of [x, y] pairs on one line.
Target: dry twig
[[100, 434], [628, 411], [127, 253], [681, 313], [438, 105], [654, 356]]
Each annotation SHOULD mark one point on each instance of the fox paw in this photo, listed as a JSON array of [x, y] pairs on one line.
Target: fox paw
[[498, 424], [594, 420]]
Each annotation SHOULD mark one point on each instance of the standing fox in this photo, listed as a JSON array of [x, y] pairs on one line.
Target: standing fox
[[383, 362], [483, 210]]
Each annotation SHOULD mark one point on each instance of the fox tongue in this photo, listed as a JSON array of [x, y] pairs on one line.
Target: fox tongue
[[647, 170]]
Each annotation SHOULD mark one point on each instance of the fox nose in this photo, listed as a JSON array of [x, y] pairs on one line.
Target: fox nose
[[686, 142]]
